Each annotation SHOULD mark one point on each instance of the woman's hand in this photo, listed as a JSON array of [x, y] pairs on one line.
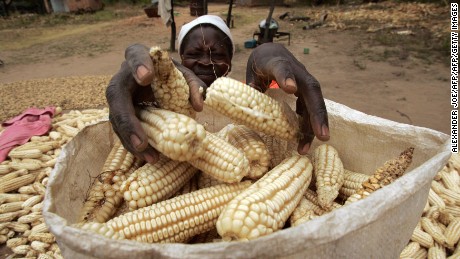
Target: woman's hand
[[271, 61], [132, 85]]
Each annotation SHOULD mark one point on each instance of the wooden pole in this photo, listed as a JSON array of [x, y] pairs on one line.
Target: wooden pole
[[229, 14], [6, 6], [172, 47], [267, 22], [47, 6]]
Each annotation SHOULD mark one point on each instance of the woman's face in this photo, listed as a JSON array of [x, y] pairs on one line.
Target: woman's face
[[206, 52]]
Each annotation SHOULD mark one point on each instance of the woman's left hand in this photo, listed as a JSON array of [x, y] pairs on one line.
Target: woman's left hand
[[271, 61]]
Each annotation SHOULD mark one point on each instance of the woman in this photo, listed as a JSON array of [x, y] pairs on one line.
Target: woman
[[206, 49]]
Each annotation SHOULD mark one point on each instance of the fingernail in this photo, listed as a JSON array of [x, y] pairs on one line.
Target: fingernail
[[324, 130], [290, 85], [305, 149], [149, 158], [141, 72], [135, 141]]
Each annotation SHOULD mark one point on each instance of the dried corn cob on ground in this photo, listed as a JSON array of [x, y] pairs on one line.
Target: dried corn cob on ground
[[25, 176], [438, 232]]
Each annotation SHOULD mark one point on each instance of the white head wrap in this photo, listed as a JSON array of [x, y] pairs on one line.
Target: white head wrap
[[209, 19]]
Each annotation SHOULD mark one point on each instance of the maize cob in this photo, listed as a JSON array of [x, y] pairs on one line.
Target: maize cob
[[27, 190], [4, 169], [54, 135], [436, 252], [100, 228], [40, 228], [449, 181], [431, 228], [10, 216], [42, 146], [352, 181], [169, 86], [453, 210], [266, 205], [153, 183], [329, 174], [39, 246], [29, 218], [17, 241], [5, 229], [445, 193], [21, 250], [11, 206], [279, 149], [37, 207], [29, 203], [18, 227], [105, 196], [11, 234], [410, 250], [435, 200], [175, 135], [440, 226], [384, 175], [221, 160], [39, 188], [245, 105], [45, 256], [68, 130], [42, 237], [39, 138], [118, 158], [26, 163], [452, 232], [37, 222], [31, 153], [445, 218], [3, 239], [433, 212], [190, 186], [13, 175], [44, 158], [177, 219], [205, 180], [223, 133], [421, 254], [313, 197], [304, 211], [253, 147], [3, 225], [16, 183], [421, 237]]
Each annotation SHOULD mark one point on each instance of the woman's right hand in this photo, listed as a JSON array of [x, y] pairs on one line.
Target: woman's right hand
[[132, 85]]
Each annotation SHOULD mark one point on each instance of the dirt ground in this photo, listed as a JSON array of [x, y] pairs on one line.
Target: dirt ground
[[382, 59]]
